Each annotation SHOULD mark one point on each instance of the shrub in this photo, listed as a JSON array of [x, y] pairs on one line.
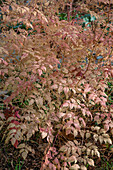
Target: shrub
[[50, 87]]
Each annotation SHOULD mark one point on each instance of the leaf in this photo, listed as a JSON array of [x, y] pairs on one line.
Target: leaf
[[55, 86], [111, 147], [61, 114], [64, 148], [10, 118], [82, 121], [44, 134], [106, 127], [2, 116], [101, 139], [64, 70], [60, 89], [109, 141], [65, 105], [75, 167], [77, 126], [75, 132], [88, 151], [68, 152], [39, 101], [66, 89], [83, 167], [38, 86], [31, 102], [22, 145], [97, 153], [22, 150], [71, 105], [12, 131], [15, 122], [72, 159], [39, 72], [11, 125], [16, 144], [88, 135], [43, 68], [24, 154], [13, 140], [91, 162], [87, 88]]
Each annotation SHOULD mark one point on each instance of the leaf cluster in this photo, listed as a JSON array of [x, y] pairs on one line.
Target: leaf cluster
[[51, 83]]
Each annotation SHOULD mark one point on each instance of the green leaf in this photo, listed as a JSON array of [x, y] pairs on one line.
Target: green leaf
[[111, 147]]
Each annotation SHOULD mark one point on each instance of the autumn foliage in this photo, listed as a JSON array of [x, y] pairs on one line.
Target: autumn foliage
[[51, 89]]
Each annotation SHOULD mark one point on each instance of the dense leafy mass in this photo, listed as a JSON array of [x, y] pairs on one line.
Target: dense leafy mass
[[54, 72]]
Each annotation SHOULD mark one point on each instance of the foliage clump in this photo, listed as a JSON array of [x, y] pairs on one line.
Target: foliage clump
[[50, 87]]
